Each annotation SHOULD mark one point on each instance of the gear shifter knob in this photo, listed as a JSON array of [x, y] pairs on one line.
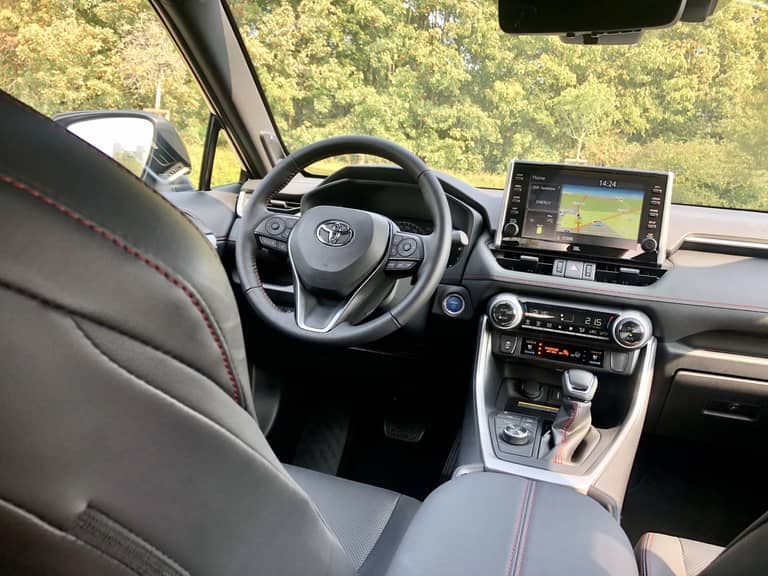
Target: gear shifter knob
[[579, 385]]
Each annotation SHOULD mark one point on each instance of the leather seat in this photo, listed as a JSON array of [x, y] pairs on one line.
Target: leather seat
[[128, 438], [664, 555], [369, 522]]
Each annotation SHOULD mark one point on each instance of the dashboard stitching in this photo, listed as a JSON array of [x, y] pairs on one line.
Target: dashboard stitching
[[632, 295]]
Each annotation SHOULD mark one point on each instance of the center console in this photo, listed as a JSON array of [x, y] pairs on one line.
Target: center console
[[561, 391], [561, 387]]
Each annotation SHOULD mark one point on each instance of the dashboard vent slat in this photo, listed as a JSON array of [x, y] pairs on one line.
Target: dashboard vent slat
[[626, 272]]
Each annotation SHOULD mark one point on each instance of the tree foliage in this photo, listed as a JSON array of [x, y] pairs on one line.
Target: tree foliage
[[439, 78]]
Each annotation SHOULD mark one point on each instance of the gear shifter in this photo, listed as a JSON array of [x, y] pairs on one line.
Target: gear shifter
[[572, 427]]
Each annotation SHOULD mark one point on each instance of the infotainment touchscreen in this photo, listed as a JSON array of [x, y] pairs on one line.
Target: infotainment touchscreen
[[586, 209]]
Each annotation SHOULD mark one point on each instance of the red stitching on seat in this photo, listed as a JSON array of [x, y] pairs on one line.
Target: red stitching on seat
[[141, 257], [512, 554], [524, 537]]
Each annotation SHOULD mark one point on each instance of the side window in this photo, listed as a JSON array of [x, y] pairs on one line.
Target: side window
[[115, 58], [227, 167]]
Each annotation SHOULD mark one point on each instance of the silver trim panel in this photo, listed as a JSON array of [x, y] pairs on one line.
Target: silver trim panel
[[505, 205], [582, 483], [725, 242]]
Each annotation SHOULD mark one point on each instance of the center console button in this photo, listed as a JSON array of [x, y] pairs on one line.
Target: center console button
[[511, 229], [507, 344], [558, 269], [574, 269], [589, 271], [529, 347], [515, 434], [530, 389], [619, 361], [555, 394], [649, 244]]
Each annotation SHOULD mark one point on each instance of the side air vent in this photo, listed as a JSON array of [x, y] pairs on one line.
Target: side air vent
[[284, 206]]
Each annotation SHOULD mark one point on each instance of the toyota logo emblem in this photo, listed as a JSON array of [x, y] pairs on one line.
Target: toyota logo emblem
[[335, 233]]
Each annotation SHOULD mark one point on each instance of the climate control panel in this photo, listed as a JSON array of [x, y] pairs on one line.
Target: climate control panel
[[590, 336]]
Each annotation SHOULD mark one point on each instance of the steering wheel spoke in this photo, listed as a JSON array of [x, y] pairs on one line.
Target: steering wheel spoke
[[274, 230], [321, 313]]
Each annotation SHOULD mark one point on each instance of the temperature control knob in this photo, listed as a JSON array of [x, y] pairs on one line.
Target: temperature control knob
[[505, 311], [632, 330]]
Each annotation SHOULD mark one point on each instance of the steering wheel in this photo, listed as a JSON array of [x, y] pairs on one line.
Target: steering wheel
[[345, 262]]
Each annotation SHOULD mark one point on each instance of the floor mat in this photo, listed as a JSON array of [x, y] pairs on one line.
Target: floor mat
[[706, 494], [321, 445], [389, 421]]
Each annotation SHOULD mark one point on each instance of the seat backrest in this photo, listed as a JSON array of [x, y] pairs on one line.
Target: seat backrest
[[747, 555], [128, 443]]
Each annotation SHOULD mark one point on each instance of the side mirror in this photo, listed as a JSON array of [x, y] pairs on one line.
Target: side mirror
[[146, 144]]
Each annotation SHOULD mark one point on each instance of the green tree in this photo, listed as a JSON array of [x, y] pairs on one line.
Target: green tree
[[583, 111]]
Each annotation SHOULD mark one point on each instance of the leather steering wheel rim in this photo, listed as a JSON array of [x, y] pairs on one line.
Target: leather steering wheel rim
[[437, 245]]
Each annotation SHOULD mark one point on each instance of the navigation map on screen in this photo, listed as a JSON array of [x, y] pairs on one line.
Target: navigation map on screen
[[613, 213]]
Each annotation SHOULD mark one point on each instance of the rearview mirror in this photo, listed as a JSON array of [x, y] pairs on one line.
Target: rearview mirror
[[146, 144], [586, 17]]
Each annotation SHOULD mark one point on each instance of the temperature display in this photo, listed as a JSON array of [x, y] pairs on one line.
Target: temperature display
[[562, 352], [567, 320]]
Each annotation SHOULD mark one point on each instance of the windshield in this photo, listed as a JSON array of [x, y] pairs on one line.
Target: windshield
[[448, 84]]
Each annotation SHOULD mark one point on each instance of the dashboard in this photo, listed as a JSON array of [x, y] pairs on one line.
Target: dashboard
[[703, 287]]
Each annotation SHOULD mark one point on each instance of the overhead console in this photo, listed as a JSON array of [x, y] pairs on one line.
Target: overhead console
[[585, 223]]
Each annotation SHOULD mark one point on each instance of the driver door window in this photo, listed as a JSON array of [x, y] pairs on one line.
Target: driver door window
[[113, 56]]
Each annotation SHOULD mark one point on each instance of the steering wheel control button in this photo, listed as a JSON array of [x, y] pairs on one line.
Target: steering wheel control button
[[406, 248], [515, 434], [400, 265], [454, 305], [275, 226], [270, 243]]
